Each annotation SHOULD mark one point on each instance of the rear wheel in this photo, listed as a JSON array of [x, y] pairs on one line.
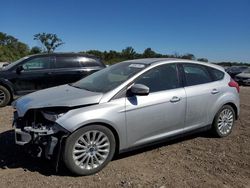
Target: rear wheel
[[224, 121], [89, 149], [4, 96]]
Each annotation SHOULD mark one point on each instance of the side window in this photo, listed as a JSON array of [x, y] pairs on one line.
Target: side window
[[38, 63], [89, 62], [216, 74], [66, 62], [196, 74], [163, 77]]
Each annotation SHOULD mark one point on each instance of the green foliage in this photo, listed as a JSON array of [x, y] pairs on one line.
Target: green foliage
[[128, 53], [35, 50], [11, 48], [49, 41], [96, 53], [202, 59], [149, 53], [188, 56], [233, 64]]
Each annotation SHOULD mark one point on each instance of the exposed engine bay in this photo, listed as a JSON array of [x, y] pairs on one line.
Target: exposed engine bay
[[38, 132]]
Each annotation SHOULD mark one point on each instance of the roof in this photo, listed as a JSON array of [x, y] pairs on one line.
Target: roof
[[63, 54], [151, 61]]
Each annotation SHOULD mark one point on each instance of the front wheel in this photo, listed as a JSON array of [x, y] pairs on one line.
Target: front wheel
[[89, 149], [224, 121]]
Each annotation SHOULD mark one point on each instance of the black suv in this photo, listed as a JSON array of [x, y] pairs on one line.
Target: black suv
[[41, 71]]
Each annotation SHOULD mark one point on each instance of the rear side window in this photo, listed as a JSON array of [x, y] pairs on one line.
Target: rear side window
[[196, 74], [66, 62], [216, 74], [89, 62]]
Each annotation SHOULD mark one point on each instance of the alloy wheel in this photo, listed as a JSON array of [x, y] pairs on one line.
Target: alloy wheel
[[91, 150], [2, 96], [225, 121]]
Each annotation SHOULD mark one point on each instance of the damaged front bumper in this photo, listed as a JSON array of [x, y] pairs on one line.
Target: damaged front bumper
[[42, 137]]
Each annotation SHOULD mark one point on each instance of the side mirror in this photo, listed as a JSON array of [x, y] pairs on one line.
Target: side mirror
[[19, 69], [139, 89], [5, 64]]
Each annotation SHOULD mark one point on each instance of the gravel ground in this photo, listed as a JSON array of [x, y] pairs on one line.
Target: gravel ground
[[194, 161]]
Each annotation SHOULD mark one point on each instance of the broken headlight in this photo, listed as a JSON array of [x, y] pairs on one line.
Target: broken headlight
[[52, 116]]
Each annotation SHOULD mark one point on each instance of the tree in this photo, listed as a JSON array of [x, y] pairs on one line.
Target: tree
[[35, 50], [149, 53], [202, 59], [188, 56], [128, 53], [96, 53], [49, 41], [11, 48]]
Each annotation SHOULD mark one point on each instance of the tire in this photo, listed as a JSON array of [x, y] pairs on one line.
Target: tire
[[84, 157], [224, 121], [5, 96]]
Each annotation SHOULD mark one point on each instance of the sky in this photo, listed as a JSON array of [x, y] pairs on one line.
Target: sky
[[218, 30]]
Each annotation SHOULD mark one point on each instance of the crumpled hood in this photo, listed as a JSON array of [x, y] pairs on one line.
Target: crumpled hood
[[60, 96]]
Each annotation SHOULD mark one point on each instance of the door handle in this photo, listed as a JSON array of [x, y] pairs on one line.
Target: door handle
[[175, 99], [214, 91]]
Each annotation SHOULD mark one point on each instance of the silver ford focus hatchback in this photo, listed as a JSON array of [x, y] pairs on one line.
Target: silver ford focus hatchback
[[129, 104]]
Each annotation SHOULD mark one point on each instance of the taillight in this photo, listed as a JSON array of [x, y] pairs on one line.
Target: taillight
[[232, 83]]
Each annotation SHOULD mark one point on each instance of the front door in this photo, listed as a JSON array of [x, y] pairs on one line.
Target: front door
[[34, 76]]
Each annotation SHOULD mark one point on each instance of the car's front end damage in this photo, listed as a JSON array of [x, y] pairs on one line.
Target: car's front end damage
[[37, 115], [39, 132]]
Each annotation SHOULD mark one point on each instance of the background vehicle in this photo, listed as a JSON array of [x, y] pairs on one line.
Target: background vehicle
[[243, 78], [234, 70], [126, 105], [37, 72], [3, 64]]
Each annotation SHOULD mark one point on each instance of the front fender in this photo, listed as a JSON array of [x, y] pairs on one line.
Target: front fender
[[111, 113]]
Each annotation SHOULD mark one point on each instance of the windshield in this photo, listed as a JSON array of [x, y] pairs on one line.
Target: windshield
[[110, 77], [14, 63]]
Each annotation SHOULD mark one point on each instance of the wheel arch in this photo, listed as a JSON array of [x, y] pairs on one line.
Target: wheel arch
[[234, 108], [110, 127], [8, 87]]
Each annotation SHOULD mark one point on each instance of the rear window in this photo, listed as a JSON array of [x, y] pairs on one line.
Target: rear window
[[216, 74], [89, 62], [67, 62]]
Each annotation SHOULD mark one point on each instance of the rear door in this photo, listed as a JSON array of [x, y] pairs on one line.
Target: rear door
[[202, 91], [69, 69], [159, 114], [66, 70]]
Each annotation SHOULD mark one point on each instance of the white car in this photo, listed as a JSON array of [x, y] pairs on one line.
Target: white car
[[243, 78]]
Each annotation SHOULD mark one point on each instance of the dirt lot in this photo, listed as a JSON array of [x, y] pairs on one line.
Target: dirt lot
[[194, 161]]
